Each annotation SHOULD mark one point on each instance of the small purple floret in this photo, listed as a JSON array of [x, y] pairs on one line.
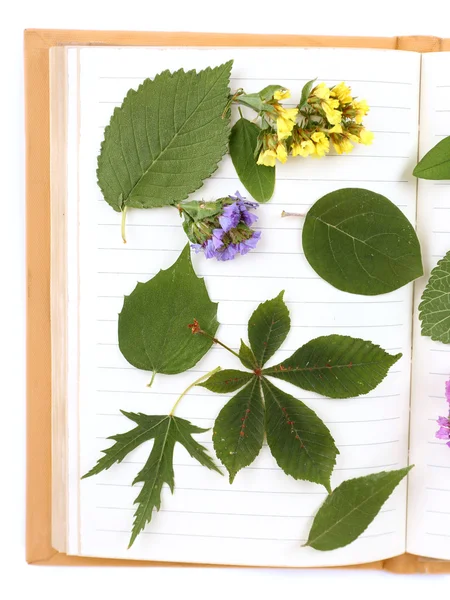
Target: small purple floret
[[443, 432]]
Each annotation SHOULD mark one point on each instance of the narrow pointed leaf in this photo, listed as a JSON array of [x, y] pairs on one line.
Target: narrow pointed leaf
[[226, 381], [360, 242], [337, 366], [305, 93], [259, 180], [436, 163], [154, 332], [247, 357], [165, 139], [434, 309], [239, 429], [183, 431], [350, 508], [299, 441], [268, 327]]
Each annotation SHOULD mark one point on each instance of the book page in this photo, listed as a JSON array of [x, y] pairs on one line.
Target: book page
[[265, 516], [429, 486]]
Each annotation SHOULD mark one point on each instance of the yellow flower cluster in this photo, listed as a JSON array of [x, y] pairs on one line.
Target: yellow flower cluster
[[330, 116]]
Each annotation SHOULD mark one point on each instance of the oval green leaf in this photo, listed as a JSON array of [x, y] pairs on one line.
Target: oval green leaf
[[165, 138], [434, 309], [350, 508], [153, 324], [268, 327], [257, 179], [226, 381], [336, 366], [361, 243], [436, 163]]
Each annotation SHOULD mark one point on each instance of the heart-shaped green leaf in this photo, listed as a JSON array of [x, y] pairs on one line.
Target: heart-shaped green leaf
[[268, 327], [154, 332], [299, 441], [165, 138], [436, 163], [361, 243], [337, 366], [434, 309], [239, 429], [351, 507], [257, 179]]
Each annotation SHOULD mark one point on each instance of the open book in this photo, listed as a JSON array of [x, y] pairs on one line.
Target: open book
[[264, 517]]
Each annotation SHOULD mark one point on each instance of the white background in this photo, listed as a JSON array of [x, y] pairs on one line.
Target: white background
[[324, 17]]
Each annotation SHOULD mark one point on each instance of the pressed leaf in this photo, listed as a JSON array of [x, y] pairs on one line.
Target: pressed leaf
[[259, 180], [227, 380], [360, 242], [305, 93], [299, 441], [154, 332], [337, 366], [166, 430], [268, 327], [165, 138], [351, 507], [239, 429], [436, 163], [268, 92], [247, 357], [434, 309]]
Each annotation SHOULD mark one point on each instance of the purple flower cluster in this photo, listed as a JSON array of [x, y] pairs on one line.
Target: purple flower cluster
[[444, 422], [234, 234]]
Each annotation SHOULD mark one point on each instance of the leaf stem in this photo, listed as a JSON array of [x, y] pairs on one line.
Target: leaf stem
[[197, 381], [122, 226], [289, 214], [149, 384]]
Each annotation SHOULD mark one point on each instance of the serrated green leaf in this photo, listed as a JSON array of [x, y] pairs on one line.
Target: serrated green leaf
[[226, 381], [166, 430], [299, 441], [268, 327], [259, 180], [360, 242], [165, 138], [434, 309], [239, 429], [337, 366], [153, 324], [305, 93], [436, 163], [247, 357], [350, 508]]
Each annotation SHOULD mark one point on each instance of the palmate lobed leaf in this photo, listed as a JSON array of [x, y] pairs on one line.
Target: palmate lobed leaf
[[436, 163], [259, 180], [361, 243], [351, 507], [434, 308], [165, 139], [298, 439], [154, 332], [336, 366], [166, 430]]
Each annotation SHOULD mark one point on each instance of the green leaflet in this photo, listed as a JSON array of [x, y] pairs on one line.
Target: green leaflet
[[336, 366], [360, 242], [227, 380], [247, 357], [166, 430], [299, 441], [436, 163], [165, 139], [434, 309], [305, 93], [239, 429], [154, 332], [268, 327], [351, 507], [259, 180]]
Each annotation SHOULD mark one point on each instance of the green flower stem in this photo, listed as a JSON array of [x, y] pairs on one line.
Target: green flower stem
[[196, 382], [122, 227]]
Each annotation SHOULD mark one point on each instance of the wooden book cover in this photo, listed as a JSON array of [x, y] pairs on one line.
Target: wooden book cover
[[37, 114]]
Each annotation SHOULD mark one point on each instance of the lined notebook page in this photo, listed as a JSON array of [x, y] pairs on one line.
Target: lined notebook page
[[429, 489], [264, 517]]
